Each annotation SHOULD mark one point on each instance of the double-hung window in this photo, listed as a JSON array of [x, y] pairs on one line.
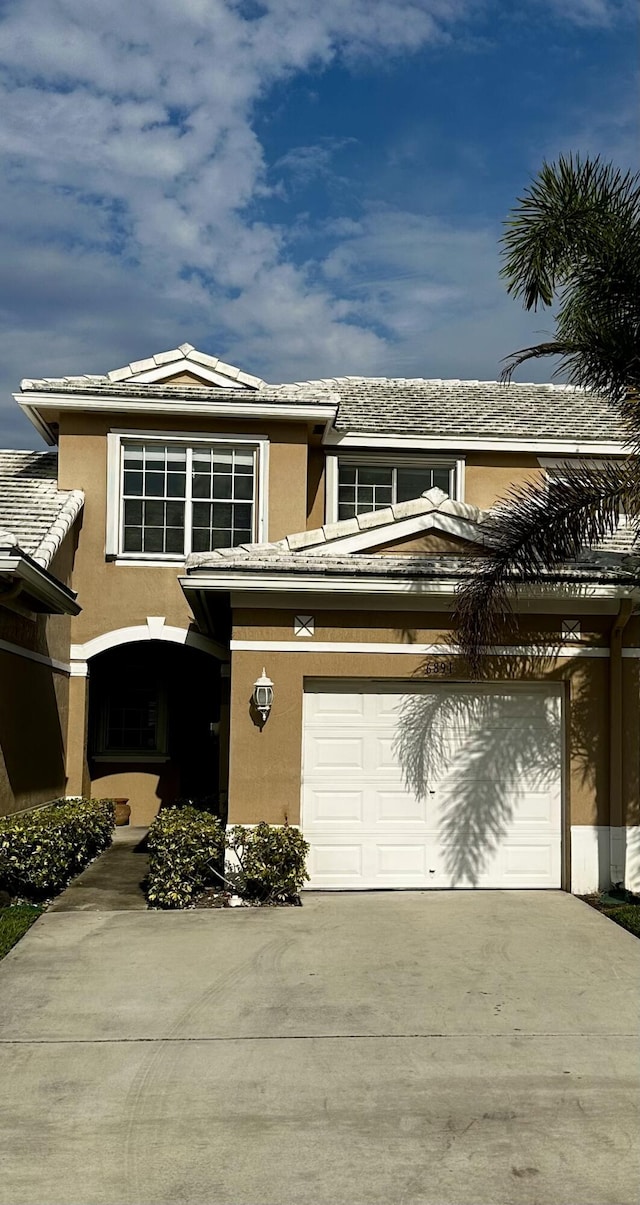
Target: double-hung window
[[180, 497], [364, 485]]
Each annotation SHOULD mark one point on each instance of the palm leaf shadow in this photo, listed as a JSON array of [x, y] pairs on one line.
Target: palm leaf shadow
[[453, 736]]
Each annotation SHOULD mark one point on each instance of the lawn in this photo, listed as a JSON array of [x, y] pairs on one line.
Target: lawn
[[621, 907], [14, 922]]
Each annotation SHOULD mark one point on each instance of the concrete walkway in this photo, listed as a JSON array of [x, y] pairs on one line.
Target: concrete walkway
[[375, 1049], [113, 882]]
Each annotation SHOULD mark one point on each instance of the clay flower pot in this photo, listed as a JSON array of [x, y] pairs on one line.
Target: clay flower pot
[[123, 811]]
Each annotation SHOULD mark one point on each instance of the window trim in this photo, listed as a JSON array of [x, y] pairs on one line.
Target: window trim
[[116, 440], [384, 460]]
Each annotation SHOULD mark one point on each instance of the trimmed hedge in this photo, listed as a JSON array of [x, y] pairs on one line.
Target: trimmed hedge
[[271, 862], [41, 851], [186, 847], [186, 856]]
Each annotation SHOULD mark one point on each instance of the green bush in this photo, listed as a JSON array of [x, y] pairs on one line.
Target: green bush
[[186, 848], [41, 851], [270, 862]]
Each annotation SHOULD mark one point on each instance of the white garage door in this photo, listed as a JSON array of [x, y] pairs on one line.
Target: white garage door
[[432, 785]]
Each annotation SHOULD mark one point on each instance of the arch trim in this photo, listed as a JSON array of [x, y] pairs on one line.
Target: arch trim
[[154, 629]]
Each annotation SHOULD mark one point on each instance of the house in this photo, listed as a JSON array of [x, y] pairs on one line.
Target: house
[[38, 533], [318, 531]]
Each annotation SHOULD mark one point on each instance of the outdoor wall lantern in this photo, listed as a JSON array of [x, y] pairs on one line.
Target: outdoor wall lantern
[[262, 697]]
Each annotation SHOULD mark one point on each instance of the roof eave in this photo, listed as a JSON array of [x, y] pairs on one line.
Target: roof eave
[[358, 440], [37, 583], [235, 408], [264, 580]]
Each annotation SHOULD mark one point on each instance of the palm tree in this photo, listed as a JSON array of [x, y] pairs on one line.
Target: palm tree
[[573, 238]]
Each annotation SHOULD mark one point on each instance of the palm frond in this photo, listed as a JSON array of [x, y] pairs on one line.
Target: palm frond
[[572, 209], [534, 529], [574, 237]]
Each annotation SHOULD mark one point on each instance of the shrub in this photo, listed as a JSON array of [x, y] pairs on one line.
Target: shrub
[[186, 848], [270, 862], [41, 851]]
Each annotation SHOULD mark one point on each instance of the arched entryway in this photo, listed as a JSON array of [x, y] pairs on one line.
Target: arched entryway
[[154, 725]]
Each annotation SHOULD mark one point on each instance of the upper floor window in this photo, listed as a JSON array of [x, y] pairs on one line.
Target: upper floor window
[[175, 498], [364, 485]]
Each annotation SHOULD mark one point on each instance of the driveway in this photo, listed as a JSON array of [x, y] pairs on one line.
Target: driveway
[[374, 1049]]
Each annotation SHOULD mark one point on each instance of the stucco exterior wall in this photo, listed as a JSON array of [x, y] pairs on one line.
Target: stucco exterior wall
[[34, 702], [33, 724], [116, 595], [265, 763], [488, 476]]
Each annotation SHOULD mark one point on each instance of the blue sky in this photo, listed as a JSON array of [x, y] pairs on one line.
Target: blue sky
[[304, 189]]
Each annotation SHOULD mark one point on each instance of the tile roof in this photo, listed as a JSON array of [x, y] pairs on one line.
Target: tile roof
[[474, 408], [414, 568], [184, 358], [319, 551], [383, 405], [321, 541], [35, 515], [100, 387]]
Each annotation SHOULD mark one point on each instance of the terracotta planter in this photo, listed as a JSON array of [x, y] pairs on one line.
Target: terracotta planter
[[123, 811]]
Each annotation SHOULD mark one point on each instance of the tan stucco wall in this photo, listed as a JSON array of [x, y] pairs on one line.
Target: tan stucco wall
[[426, 543], [34, 701], [489, 476], [265, 764], [114, 596], [33, 725], [315, 485], [140, 786]]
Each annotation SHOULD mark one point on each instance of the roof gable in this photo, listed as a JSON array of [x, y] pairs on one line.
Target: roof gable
[[185, 360], [433, 511], [371, 533]]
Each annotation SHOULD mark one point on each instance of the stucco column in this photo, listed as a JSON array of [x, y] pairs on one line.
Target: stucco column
[[78, 781]]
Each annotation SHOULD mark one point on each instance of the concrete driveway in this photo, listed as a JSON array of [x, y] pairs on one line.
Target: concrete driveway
[[378, 1049]]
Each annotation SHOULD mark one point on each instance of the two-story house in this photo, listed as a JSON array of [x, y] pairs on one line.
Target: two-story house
[[318, 531]]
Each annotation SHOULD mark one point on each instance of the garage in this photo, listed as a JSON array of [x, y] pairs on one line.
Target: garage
[[432, 785]]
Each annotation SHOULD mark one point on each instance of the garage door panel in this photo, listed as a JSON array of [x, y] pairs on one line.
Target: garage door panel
[[332, 753], [433, 786], [337, 807], [398, 807], [335, 863], [384, 759], [527, 859], [407, 861]]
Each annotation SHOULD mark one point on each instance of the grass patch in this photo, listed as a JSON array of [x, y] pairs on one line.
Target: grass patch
[[627, 915], [620, 906], [14, 922]]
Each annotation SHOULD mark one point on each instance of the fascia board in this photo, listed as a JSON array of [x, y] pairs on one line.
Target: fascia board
[[454, 443], [40, 584], [219, 581], [34, 417], [55, 401]]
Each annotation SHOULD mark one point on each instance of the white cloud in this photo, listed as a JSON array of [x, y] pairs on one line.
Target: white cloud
[[597, 13], [132, 166], [130, 159]]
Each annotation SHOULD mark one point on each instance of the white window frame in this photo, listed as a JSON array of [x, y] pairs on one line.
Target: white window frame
[[116, 441], [384, 460]]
